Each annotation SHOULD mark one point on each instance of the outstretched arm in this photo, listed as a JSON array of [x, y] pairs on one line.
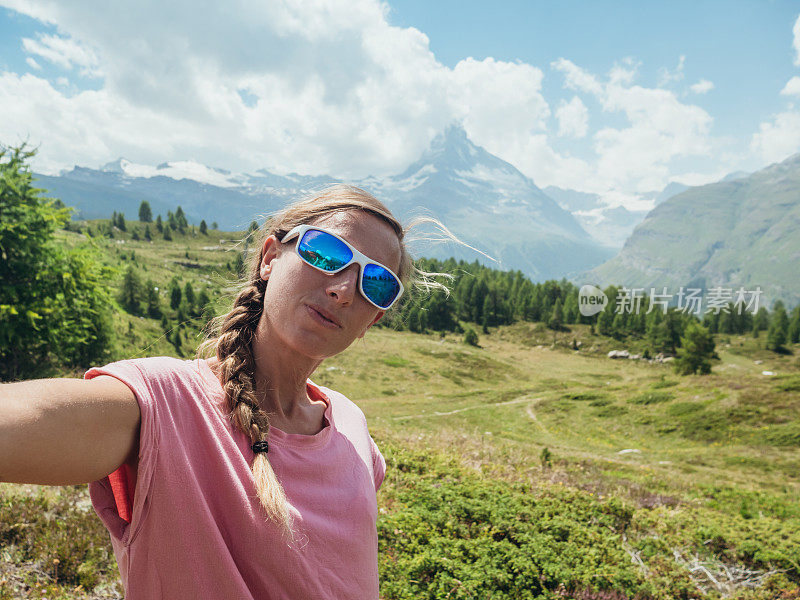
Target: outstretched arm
[[66, 431]]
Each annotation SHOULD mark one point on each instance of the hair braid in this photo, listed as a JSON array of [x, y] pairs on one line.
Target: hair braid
[[237, 367]]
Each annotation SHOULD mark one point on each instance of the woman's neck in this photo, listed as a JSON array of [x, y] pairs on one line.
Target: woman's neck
[[280, 377]]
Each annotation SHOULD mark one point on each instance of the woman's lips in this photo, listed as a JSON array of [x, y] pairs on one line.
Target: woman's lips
[[320, 318]]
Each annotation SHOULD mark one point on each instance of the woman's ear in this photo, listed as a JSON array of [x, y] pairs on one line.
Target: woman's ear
[[268, 254]]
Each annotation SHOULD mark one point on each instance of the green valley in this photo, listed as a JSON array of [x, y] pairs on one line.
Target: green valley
[[530, 465]]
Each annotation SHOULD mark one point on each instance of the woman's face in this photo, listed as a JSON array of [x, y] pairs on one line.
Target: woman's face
[[315, 314]]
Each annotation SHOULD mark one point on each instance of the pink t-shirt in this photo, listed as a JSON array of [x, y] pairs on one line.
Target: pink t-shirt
[[197, 529]]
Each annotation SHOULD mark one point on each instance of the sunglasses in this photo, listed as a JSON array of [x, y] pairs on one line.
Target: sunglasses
[[327, 252]]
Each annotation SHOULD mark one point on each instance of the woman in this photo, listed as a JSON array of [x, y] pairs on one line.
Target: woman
[[236, 477]]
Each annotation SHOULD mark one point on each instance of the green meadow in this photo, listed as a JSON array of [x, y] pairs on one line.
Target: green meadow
[[519, 468]]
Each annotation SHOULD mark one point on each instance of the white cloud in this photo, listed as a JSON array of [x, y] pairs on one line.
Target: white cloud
[[637, 158], [615, 198], [499, 103], [796, 42], [624, 72], [577, 78], [694, 179], [33, 64], [61, 51], [40, 11], [666, 76], [331, 87], [324, 87], [56, 123], [792, 87], [573, 118], [779, 138], [702, 87]]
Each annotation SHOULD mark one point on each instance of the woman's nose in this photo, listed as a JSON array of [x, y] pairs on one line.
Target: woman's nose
[[344, 285]]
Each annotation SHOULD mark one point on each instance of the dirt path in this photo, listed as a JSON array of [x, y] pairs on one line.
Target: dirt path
[[534, 418], [436, 413]]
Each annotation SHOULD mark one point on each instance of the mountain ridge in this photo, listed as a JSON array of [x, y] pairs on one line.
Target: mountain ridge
[[484, 200], [741, 231]]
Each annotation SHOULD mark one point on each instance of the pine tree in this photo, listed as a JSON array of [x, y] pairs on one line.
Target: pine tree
[[440, 313], [159, 224], [180, 220], [132, 292], [183, 313], [145, 214], [147, 235], [776, 338], [177, 341], [422, 320], [696, 352], [203, 227], [168, 232], [793, 332], [121, 222], [556, 316], [174, 294], [618, 326], [605, 320], [153, 300], [778, 328], [204, 303], [760, 321], [238, 265], [188, 294], [571, 309]]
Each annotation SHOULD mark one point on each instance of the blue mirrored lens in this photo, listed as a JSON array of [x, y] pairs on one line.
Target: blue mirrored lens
[[379, 285], [324, 251]]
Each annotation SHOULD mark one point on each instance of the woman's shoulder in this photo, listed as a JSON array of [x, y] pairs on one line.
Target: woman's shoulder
[[341, 405], [156, 369]]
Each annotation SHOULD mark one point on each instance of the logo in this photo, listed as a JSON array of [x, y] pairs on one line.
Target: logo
[[591, 300]]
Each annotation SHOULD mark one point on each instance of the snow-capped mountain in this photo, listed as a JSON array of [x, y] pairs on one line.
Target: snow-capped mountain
[[176, 170], [485, 201], [490, 205]]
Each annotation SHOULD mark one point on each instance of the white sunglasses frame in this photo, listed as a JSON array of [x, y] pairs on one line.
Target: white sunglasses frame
[[358, 257]]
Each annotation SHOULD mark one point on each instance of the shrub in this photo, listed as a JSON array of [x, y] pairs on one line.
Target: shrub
[[54, 302], [470, 337], [651, 398]]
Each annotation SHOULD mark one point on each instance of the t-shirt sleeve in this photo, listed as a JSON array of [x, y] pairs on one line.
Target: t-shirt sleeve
[[378, 464], [101, 492]]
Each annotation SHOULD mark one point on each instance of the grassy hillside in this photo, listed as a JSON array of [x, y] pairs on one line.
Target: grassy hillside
[[517, 469], [731, 233]]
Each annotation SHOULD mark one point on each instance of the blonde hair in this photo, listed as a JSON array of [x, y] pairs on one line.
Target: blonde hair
[[229, 336]]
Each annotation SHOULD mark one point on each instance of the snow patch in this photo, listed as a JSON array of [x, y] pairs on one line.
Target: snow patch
[[178, 170], [414, 180], [505, 181]]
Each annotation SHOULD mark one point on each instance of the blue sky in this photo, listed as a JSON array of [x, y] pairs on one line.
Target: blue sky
[[616, 98], [744, 47]]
